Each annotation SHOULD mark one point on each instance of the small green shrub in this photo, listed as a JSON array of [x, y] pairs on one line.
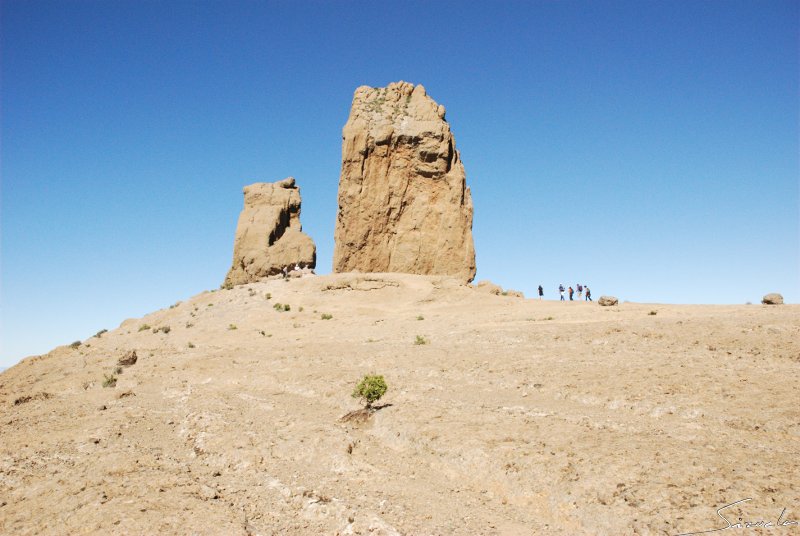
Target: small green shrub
[[144, 327], [300, 309], [164, 329], [420, 340], [231, 327], [227, 285], [420, 317], [189, 325], [75, 344], [653, 313], [190, 345], [109, 381], [286, 307], [268, 295], [278, 307], [100, 333], [210, 305], [370, 389], [326, 316]]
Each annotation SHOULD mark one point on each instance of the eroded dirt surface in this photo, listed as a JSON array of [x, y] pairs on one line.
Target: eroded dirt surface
[[516, 417]]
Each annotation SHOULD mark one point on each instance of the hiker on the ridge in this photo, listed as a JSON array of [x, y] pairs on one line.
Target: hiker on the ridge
[[571, 292], [561, 291], [580, 291], [541, 292], [588, 294]]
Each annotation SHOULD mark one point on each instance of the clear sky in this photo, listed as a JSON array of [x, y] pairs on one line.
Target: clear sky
[[648, 149]]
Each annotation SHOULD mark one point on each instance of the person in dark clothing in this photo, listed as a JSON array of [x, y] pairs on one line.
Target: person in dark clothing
[[541, 292], [561, 291], [588, 293], [571, 292]]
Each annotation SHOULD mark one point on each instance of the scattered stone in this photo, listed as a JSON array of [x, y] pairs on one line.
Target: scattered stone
[[128, 359], [514, 293], [403, 201], [489, 287], [772, 299], [126, 394], [208, 493], [28, 398], [269, 236], [606, 301]]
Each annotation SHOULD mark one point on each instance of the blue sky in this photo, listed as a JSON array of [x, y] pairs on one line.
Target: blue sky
[[649, 149]]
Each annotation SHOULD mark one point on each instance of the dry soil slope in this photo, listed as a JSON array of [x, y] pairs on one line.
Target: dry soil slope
[[517, 416]]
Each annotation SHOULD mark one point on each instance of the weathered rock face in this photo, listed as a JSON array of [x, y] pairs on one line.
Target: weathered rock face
[[772, 299], [403, 201], [269, 236]]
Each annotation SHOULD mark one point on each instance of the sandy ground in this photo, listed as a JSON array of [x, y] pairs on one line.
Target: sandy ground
[[516, 417]]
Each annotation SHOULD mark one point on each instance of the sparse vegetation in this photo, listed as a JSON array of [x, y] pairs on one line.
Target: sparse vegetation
[[300, 309], [190, 345], [653, 313], [420, 317], [420, 340], [268, 295], [326, 316], [231, 327], [164, 329], [280, 307], [75, 344], [109, 381], [227, 285], [144, 327], [210, 305], [100, 333], [189, 325], [174, 305], [118, 370], [370, 389]]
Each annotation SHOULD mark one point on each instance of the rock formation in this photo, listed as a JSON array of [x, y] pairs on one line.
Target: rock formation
[[772, 299], [269, 236], [403, 201]]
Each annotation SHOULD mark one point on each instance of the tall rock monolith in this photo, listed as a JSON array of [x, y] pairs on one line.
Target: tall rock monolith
[[403, 201], [269, 236]]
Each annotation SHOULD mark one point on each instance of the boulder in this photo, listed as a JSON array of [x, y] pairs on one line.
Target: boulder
[[514, 293], [605, 301], [403, 201], [269, 236], [129, 359], [772, 299]]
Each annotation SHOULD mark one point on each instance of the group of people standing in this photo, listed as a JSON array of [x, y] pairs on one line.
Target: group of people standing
[[578, 287]]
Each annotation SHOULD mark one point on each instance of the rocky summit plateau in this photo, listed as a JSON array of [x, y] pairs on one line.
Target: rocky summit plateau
[[503, 416]]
